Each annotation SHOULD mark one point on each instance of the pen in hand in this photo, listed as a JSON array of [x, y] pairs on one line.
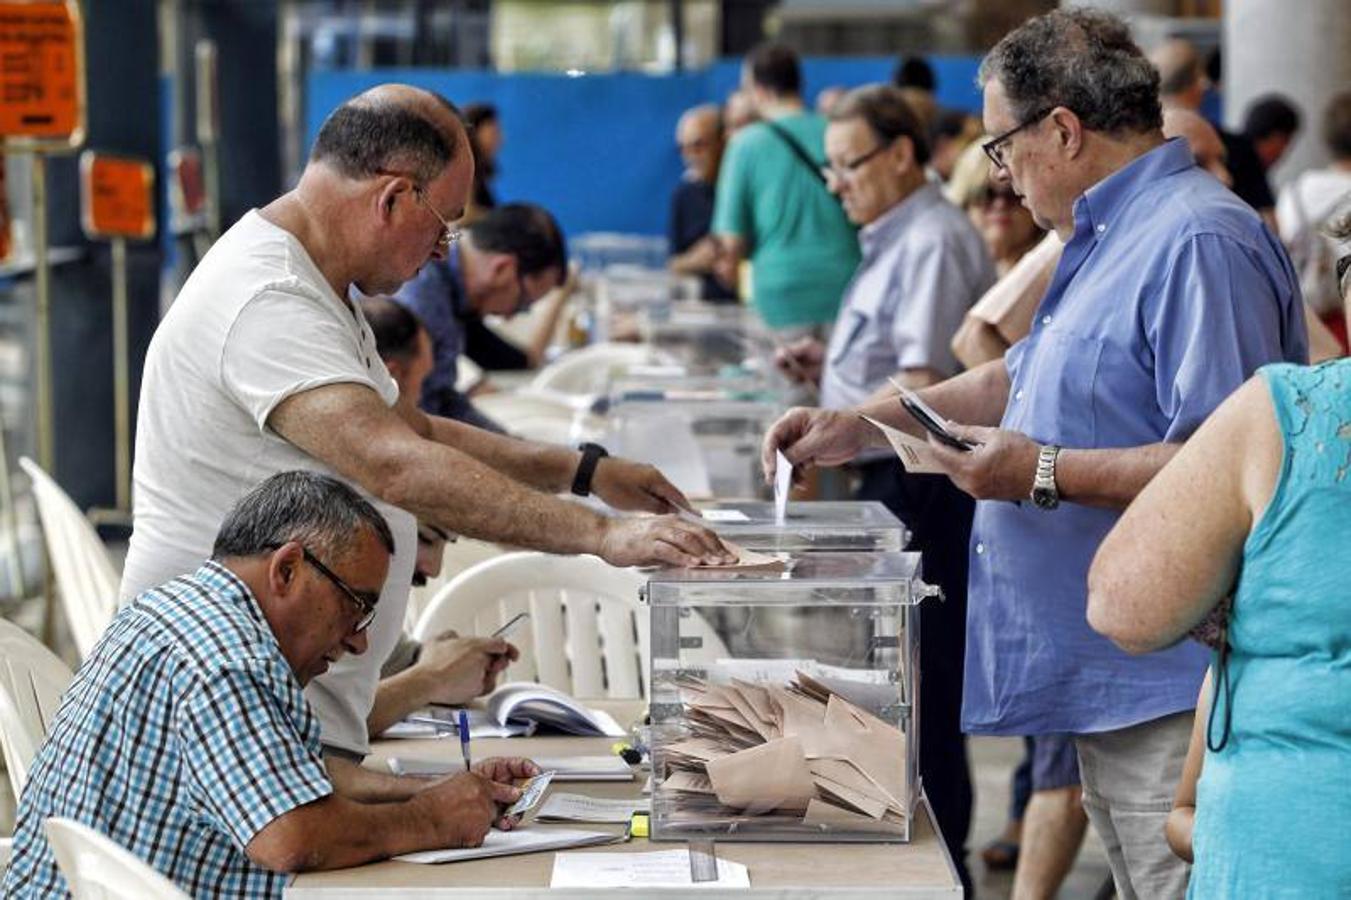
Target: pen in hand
[[464, 738]]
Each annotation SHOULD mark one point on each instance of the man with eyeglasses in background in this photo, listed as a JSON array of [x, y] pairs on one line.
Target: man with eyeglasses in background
[[264, 364], [1169, 294], [186, 738], [507, 259], [923, 266]]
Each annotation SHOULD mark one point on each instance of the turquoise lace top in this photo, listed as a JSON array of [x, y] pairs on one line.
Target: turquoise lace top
[[1273, 812]]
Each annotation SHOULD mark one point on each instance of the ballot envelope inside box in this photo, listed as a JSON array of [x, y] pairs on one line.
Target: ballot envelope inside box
[[783, 700]]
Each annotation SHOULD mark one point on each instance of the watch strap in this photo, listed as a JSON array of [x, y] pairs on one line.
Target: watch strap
[[592, 454]]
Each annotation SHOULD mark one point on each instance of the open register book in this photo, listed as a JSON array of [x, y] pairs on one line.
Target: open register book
[[520, 708]]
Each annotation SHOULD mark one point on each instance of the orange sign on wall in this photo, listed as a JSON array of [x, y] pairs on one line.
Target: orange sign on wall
[[117, 196], [41, 74]]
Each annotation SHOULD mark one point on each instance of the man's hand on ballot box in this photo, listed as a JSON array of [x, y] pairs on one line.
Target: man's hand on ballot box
[[629, 485], [815, 437]]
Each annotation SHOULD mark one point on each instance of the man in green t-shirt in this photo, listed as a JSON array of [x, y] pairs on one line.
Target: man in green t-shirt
[[773, 207]]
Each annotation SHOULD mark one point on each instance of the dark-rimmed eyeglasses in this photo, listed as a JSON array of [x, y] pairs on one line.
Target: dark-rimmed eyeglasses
[[449, 234], [994, 147], [845, 169], [1343, 266], [365, 601]]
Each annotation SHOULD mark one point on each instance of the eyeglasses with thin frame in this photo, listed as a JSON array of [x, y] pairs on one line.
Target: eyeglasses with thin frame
[[845, 169], [1344, 266], [449, 235], [994, 147], [365, 601]]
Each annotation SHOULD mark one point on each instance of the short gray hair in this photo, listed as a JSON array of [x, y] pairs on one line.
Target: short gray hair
[[887, 114], [319, 511], [365, 137], [1082, 59]]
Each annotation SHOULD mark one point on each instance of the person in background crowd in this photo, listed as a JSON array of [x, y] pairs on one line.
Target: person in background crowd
[[923, 265], [485, 139], [997, 212], [1255, 508], [953, 132], [1307, 204], [1271, 124], [1169, 293], [508, 258], [737, 113], [827, 97], [694, 251], [1183, 83], [773, 208], [186, 738], [918, 84]]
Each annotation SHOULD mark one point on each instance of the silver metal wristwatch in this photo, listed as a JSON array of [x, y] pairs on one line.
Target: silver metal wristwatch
[[1045, 494]]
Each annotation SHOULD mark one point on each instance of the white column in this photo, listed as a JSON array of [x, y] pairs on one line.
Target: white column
[[1299, 48]]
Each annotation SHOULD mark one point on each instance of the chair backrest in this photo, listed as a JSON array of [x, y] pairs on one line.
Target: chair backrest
[[588, 633], [588, 370], [98, 868], [32, 680], [84, 575]]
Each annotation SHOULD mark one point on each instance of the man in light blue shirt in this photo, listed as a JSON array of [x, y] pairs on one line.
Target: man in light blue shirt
[[923, 267], [1169, 295]]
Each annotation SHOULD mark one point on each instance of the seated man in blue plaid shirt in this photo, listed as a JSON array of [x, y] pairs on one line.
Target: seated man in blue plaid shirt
[[186, 736]]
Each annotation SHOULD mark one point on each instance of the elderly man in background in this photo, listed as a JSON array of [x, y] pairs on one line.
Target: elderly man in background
[[263, 365], [923, 265], [694, 251], [1170, 292], [773, 206], [1182, 83], [186, 737]]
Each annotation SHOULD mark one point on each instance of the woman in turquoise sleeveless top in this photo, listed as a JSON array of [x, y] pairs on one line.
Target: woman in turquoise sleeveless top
[[1257, 502]]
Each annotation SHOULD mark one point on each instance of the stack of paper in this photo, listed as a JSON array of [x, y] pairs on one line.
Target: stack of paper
[[565, 768], [521, 840], [799, 753]]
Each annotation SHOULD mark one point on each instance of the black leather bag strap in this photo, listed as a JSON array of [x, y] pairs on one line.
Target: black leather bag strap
[[803, 156]]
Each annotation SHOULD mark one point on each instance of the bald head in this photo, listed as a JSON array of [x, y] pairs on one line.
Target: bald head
[[1181, 81], [699, 135], [1203, 139], [391, 128]]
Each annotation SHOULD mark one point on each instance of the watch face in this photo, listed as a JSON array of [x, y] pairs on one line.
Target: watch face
[[1045, 498]]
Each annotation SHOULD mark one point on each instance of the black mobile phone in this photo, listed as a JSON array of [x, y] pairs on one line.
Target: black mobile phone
[[927, 418]]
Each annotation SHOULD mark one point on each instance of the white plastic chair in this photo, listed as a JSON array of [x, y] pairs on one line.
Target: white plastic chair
[[588, 370], [32, 680], [538, 418], [84, 575], [98, 868], [588, 634]]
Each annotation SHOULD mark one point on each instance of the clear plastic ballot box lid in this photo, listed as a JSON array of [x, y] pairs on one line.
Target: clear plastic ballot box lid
[[782, 698], [815, 525]]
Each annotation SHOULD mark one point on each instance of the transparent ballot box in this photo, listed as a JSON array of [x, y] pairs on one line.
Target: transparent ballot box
[[707, 338], [783, 699], [814, 525], [704, 434]]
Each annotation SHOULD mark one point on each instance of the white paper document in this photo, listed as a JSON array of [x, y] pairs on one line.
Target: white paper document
[[565, 768], [513, 709], [562, 807], [913, 452], [783, 486], [656, 869], [724, 515], [521, 840]]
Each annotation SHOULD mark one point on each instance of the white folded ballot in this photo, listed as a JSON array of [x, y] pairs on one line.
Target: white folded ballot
[[508, 843], [520, 708], [565, 768], [656, 869]]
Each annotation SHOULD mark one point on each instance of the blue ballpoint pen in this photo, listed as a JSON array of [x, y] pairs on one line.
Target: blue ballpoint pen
[[464, 738]]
